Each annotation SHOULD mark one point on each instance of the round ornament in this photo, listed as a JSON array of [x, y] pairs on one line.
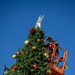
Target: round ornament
[[61, 59], [66, 67], [49, 60], [46, 55], [50, 46], [26, 42], [26, 53], [34, 48], [44, 40], [56, 62], [14, 56], [12, 70], [17, 53], [48, 71], [38, 40], [35, 66], [15, 67], [32, 31]]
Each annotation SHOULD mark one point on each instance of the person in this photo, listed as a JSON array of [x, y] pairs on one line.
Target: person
[[50, 47]]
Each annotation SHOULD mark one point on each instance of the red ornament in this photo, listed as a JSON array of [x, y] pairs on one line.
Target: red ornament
[[61, 59], [50, 46], [35, 66], [17, 53], [32, 31], [15, 67], [49, 60]]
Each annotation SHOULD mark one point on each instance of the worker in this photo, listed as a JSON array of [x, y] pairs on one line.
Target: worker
[[51, 45]]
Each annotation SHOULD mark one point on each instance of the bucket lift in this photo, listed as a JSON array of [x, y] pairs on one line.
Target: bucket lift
[[55, 70]]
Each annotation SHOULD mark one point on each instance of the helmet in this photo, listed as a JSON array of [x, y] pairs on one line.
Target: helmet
[[50, 39]]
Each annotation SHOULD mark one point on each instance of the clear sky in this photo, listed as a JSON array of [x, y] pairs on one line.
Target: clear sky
[[17, 17]]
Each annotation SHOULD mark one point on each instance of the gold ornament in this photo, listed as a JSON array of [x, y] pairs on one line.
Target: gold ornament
[[26, 42], [56, 62], [34, 48], [38, 40], [46, 55], [12, 70], [26, 53], [66, 67], [48, 71], [44, 40], [14, 56]]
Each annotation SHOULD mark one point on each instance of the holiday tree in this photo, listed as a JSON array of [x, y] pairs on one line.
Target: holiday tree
[[37, 57], [32, 58]]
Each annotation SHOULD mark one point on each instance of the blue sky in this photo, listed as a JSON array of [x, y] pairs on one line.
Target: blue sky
[[17, 17]]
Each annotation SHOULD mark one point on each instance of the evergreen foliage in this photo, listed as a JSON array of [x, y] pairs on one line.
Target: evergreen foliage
[[31, 59]]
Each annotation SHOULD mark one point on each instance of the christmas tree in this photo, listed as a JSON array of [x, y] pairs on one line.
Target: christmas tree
[[32, 58], [37, 57]]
